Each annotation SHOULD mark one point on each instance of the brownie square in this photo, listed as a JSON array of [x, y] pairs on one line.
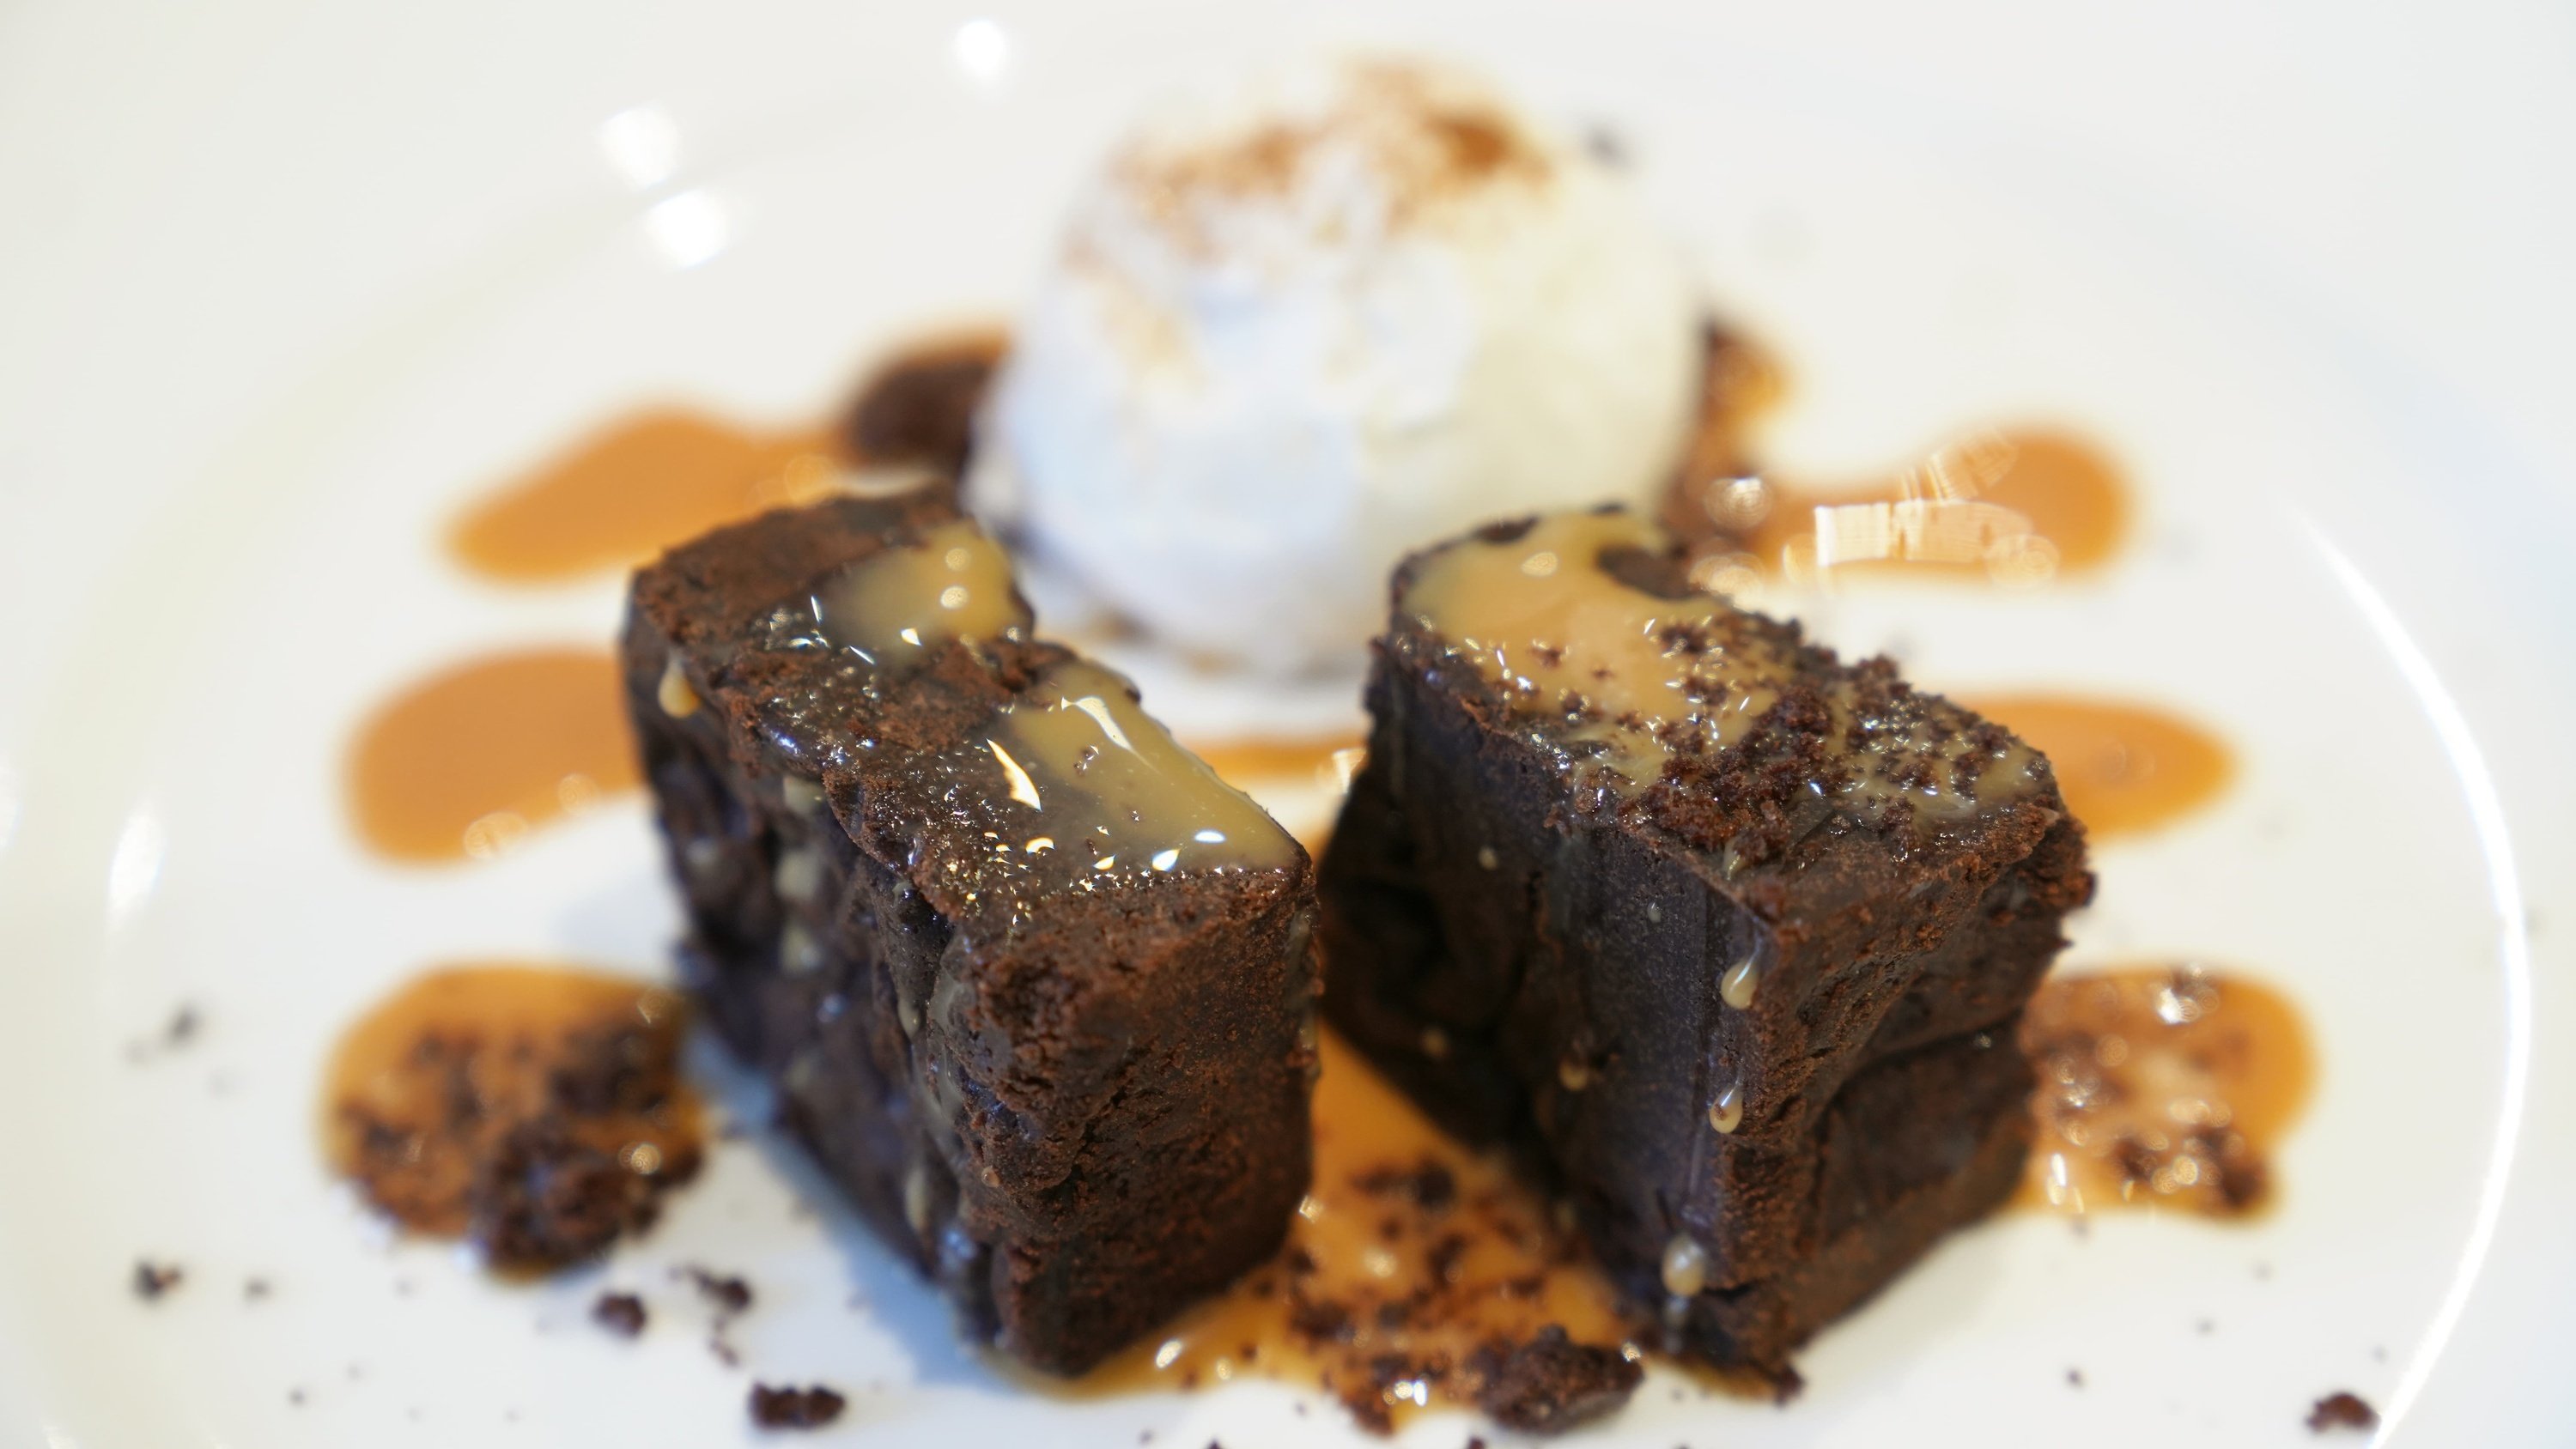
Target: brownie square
[[1647, 886], [1034, 986]]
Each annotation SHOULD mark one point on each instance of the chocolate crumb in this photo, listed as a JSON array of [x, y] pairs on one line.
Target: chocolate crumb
[[177, 1032], [730, 1295], [151, 1279], [793, 1408], [620, 1313], [1325, 1321], [1552, 1383], [254, 1289], [295, 1397], [1427, 1184], [545, 1198], [2075, 1377], [2342, 1409], [920, 407]]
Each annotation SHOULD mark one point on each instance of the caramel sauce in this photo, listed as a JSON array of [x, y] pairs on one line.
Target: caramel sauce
[[894, 607], [2161, 1086], [1075, 786], [625, 493], [2125, 767], [1107, 789], [665, 475], [468, 761], [1409, 1245], [2014, 506], [536, 1109], [1540, 615], [1626, 679], [1328, 761]]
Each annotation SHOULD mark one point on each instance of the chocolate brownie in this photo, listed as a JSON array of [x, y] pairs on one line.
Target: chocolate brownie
[[1653, 888], [1035, 987]]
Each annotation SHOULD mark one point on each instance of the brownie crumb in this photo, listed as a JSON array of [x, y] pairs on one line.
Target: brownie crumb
[[1428, 1185], [793, 1408], [2075, 1377], [1552, 1383], [2342, 1410], [620, 1313], [545, 1197], [295, 1397], [177, 1032], [151, 1279], [920, 407], [254, 1289], [730, 1294]]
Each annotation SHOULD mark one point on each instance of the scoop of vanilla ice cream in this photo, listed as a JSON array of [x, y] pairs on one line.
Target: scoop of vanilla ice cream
[[1301, 328]]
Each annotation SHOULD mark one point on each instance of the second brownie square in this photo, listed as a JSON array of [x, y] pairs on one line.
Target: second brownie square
[[1647, 885]]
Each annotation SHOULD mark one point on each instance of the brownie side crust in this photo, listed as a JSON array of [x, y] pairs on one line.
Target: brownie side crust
[[1067, 1078], [1660, 962]]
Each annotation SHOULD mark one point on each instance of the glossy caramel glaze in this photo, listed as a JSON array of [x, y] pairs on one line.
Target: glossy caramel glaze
[[896, 607], [468, 761], [1568, 622]]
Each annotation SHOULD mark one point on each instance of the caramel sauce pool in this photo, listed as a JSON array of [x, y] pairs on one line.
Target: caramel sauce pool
[[663, 476], [625, 493], [2125, 768], [1327, 761], [468, 761], [1407, 1243], [537, 1109], [2161, 1086], [2015, 506]]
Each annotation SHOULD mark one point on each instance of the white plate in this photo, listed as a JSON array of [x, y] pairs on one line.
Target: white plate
[[2348, 576]]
